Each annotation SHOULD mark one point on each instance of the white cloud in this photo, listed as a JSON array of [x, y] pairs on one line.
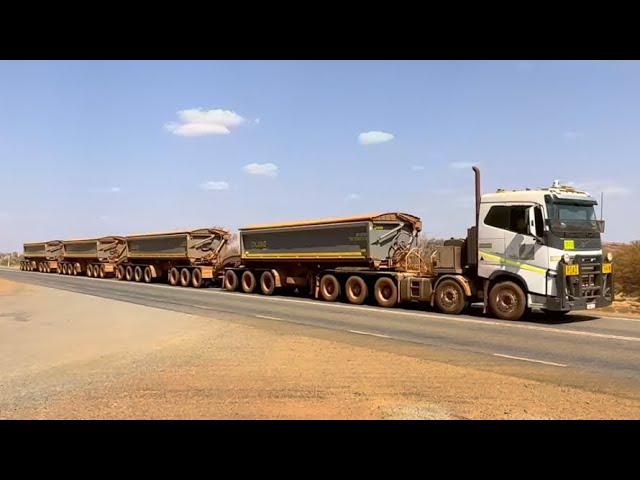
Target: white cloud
[[609, 188], [571, 134], [115, 189], [214, 185], [417, 168], [370, 138], [257, 120], [196, 122], [354, 196], [461, 165], [266, 169]]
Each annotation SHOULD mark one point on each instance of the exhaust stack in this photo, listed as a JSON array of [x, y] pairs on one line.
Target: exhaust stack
[[478, 194]]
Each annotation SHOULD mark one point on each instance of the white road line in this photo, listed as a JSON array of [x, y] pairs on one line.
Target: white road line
[[450, 318], [270, 318], [529, 360], [368, 333]]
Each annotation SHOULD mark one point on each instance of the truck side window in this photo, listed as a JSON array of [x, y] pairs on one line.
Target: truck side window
[[518, 223], [512, 218], [498, 217]]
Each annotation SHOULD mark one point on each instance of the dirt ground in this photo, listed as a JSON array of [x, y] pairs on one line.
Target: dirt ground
[[76, 356]]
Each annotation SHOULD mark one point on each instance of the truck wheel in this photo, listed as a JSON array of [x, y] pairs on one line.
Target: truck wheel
[[185, 277], [89, 271], [120, 273], [174, 277], [450, 297], [356, 290], [508, 301], [95, 270], [248, 282], [267, 283], [128, 273], [46, 268], [147, 275], [329, 288], [230, 281], [103, 273], [386, 292]]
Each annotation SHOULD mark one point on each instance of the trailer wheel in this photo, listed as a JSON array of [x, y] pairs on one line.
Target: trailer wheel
[[329, 288], [147, 275], [174, 277], [128, 273], [230, 281], [89, 270], [386, 292], [103, 273], [46, 268], [356, 290], [137, 274], [248, 282], [267, 283], [508, 301], [196, 278], [120, 273], [185, 277], [450, 297]]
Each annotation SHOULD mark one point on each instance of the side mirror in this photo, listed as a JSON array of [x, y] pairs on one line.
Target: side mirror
[[600, 225]]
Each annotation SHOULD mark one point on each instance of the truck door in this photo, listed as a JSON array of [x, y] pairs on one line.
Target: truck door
[[511, 240]]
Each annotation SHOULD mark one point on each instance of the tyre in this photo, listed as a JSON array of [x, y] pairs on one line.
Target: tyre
[[89, 270], [196, 278], [508, 301], [174, 277], [96, 271], [356, 290], [102, 271], [231, 281], [267, 283], [185, 277], [386, 292], [450, 297], [128, 273], [147, 275], [248, 282], [120, 273], [329, 288]]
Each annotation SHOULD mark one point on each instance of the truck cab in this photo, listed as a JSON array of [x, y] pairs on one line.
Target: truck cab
[[542, 249]]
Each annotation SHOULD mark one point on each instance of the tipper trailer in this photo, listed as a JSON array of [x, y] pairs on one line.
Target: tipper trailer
[[96, 257], [184, 257], [42, 257], [528, 249]]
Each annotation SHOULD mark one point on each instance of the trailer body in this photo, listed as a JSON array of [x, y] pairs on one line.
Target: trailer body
[[353, 254], [93, 257], [184, 257], [42, 257]]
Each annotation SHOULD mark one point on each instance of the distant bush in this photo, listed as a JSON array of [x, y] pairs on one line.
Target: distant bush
[[626, 261]]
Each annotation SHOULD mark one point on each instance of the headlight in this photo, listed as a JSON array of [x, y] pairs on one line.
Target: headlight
[[610, 256], [566, 258]]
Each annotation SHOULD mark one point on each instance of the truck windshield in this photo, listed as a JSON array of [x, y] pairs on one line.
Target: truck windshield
[[573, 217]]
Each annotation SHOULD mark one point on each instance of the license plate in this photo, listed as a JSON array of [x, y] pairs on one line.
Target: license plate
[[591, 306], [606, 268], [572, 270]]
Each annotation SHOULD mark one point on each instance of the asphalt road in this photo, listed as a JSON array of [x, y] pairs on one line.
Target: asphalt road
[[605, 346]]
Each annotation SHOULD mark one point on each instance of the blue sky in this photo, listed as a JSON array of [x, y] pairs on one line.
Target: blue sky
[[108, 147]]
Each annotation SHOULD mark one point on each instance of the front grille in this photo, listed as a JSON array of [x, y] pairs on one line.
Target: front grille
[[590, 283]]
